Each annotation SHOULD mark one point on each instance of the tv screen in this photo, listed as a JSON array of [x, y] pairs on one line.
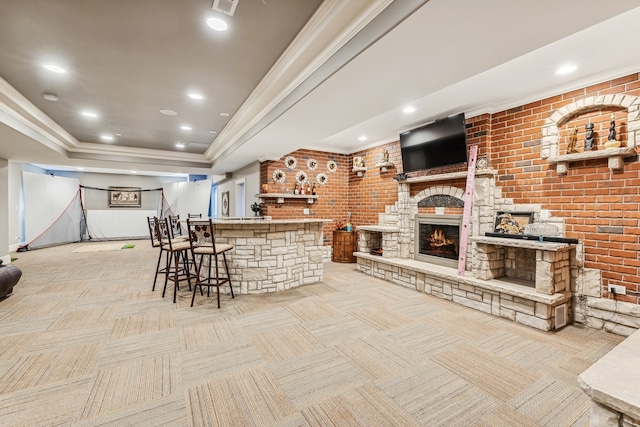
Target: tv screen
[[441, 143]]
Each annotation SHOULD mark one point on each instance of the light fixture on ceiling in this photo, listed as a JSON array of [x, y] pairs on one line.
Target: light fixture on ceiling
[[217, 24], [228, 7], [566, 69], [168, 112], [107, 138], [185, 127], [55, 68], [134, 172], [180, 144], [50, 97], [194, 95], [224, 114], [213, 131], [362, 138], [89, 114], [408, 110]]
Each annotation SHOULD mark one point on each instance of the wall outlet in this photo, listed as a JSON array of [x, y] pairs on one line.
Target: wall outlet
[[617, 289], [306, 211]]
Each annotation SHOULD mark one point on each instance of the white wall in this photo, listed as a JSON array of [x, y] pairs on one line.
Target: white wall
[[251, 175], [4, 211]]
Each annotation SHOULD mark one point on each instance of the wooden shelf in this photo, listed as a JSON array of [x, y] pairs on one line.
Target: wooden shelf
[[385, 166], [281, 196], [447, 176], [614, 156]]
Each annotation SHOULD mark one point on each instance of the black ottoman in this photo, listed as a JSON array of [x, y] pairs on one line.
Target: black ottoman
[[9, 276]]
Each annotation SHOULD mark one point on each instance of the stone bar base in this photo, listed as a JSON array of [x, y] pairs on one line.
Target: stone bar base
[[272, 256], [517, 303], [613, 384]]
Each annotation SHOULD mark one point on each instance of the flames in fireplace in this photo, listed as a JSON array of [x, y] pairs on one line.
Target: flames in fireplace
[[439, 240]]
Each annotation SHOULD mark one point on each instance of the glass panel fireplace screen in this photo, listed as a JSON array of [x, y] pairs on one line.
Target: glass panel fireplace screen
[[438, 239]]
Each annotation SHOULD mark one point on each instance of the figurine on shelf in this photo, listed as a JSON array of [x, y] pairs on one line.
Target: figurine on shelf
[[612, 142], [612, 128], [588, 136], [573, 139], [385, 156]]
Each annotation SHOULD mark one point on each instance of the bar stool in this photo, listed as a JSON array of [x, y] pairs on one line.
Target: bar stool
[[175, 271], [203, 243], [155, 242]]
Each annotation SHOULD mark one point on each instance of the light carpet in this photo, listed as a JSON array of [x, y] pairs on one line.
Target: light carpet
[[102, 247], [85, 342]]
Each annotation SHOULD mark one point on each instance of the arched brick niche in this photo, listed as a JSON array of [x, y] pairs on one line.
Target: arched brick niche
[[439, 190], [551, 129]]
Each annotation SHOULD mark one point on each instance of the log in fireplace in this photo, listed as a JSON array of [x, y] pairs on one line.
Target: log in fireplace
[[437, 239]]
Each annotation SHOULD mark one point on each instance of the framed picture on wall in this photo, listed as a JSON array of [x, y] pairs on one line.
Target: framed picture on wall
[[512, 222], [125, 197], [225, 203]]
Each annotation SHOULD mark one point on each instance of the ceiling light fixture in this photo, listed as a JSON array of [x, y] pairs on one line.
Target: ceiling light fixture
[[217, 24], [224, 114], [180, 144], [362, 138], [195, 96], [55, 68], [185, 127], [409, 110], [134, 172], [168, 112], [50, 97], [106, 138], [213, 131], [89, 114], [566, 69]]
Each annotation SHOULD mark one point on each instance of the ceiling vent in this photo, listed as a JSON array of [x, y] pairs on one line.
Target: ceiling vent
[[228, 7]]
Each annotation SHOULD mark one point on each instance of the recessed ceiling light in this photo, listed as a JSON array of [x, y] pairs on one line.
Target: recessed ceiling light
[[213, 131], [168, 112], [89, 114], [224, 114], [195, 96], [566, 69], [50, 97], [409, 110], [55, 68], [106, 137], [180, 144], [217, 24], [134, 172], [362, 138], [118, 134], [185, 127]]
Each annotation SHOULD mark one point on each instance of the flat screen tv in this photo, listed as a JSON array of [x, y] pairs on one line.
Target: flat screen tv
[[441, 143]]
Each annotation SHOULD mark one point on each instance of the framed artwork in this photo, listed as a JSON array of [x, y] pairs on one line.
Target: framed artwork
[[125, 197], [225, 203], [512, 222]]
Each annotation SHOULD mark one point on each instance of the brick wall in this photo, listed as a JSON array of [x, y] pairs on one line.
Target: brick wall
[[333, 198], [601, 208]]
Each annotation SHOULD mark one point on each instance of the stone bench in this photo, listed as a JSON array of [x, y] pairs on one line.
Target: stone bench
[[613, 384]]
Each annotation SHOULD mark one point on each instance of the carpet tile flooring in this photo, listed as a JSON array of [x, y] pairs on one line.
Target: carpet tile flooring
[[84, 341]]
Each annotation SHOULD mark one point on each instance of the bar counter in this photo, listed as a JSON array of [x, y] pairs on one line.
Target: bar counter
[[271, 255]]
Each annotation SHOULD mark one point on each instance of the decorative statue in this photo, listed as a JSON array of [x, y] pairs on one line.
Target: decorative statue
[[573, 139], [385, 156], [612, 128], [588, 137]]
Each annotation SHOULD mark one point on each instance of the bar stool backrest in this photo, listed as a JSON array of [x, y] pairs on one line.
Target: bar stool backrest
[[176, 229], [194, 215], [201, 233], [163, 232], [153, 231]]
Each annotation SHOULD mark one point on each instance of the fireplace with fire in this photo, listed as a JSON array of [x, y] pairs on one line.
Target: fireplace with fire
[[437, 239]]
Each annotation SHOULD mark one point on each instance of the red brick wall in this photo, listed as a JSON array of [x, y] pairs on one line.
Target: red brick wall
[[588, 197], [333, 198]]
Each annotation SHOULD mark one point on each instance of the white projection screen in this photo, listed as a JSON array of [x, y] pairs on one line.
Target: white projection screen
[[45, 199], [189, 197]]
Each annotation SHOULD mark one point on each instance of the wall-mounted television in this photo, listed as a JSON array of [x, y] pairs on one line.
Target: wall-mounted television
[[440, 143]]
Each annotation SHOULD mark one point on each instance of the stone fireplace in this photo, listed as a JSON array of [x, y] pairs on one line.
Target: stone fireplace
[[437, 239]]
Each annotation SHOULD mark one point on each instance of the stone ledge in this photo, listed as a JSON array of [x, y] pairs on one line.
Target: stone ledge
[[379, 228], [451, 274], [522, 243], [614, 380]]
